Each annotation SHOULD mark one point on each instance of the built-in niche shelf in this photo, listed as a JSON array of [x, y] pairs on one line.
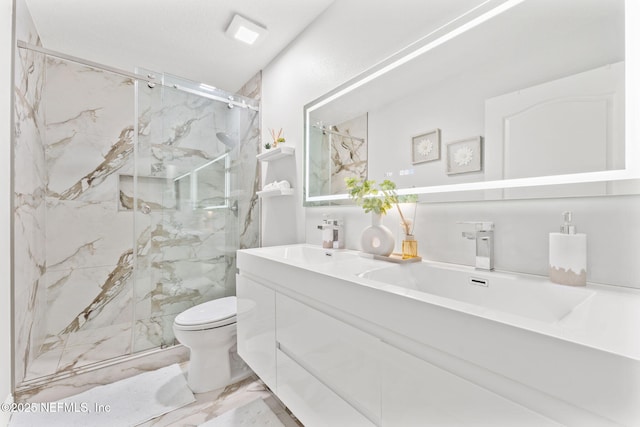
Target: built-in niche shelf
[[152, 191], [275, 192], [276, 153]]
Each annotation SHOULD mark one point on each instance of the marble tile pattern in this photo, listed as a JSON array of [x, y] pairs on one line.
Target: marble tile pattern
[[29, 196], [336, 156], [208, 406], [249, 415], [246, 170], [96, 278], [216, 403], [59, 386], [348, 155], [90, 257]]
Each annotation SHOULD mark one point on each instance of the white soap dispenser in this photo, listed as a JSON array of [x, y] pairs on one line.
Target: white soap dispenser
[[568, 255]]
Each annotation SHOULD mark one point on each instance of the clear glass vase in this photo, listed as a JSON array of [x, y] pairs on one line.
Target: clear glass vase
[[409, 247]]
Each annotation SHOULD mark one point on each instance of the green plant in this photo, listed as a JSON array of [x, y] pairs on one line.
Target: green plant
[[367, 194], [277, 139], [379, 198]]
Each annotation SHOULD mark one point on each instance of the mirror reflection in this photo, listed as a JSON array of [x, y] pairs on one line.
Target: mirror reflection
[[535, 91], [337, 151]]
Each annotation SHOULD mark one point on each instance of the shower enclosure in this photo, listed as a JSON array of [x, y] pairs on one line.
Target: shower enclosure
[[132, 194]]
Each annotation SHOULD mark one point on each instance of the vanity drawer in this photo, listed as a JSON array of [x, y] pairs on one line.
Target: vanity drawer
[[342, 357], [313, 403], [415, 391], [256, 328]]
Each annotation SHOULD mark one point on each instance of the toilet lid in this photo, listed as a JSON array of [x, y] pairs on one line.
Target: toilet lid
[[210, 312]]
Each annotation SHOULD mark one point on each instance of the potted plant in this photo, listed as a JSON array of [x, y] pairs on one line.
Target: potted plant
[[378, 199]]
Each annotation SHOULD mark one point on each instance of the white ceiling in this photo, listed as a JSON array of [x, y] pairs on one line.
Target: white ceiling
[[181, 37]]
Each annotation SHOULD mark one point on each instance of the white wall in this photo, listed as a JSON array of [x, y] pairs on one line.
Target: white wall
[[349, 37], [355, 34], [6, 86]]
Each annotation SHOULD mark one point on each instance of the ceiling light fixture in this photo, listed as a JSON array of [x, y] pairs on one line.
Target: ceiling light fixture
[[244, 30]]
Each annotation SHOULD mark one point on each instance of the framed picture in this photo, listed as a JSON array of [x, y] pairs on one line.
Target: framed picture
[[464, 156], [425, 147]]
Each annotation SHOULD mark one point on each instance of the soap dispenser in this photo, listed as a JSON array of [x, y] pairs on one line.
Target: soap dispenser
[[568, 255]]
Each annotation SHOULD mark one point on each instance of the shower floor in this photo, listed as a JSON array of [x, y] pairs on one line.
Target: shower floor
[[80, 349]]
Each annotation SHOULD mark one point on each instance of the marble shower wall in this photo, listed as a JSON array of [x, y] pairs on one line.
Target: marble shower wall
[[81, 244], [89, 282], [29, 188], [246, 170]]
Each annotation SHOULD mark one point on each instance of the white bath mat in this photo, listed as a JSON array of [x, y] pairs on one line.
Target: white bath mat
[[255, 413], [131, 401]]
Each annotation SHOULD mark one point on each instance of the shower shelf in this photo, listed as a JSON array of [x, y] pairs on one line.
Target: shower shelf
[[275, 192], [276, 153]]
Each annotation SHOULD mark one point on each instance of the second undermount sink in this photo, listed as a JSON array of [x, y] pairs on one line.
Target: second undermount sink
[[522, 295], [308, 254]]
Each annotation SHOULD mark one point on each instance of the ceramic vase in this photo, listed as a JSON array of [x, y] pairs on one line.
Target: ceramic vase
[[377, 239]]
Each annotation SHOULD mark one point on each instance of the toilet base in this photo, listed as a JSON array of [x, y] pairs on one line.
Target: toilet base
[[208, 370], [239, 369], [215, 369]]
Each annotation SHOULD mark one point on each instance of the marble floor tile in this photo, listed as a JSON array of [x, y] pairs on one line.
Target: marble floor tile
[[215, 403], [255, 413]]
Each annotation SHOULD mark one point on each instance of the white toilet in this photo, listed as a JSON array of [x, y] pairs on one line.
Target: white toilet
[[209, 331]]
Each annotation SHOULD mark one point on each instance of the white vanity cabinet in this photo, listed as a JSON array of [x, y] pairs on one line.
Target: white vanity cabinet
[[334, 353], [315, 361], [311, 401], [329, 372], [256, 328], [415, 393], [342, 350]]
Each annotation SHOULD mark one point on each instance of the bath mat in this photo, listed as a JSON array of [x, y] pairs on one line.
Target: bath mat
[[127, 402], [255, 413]]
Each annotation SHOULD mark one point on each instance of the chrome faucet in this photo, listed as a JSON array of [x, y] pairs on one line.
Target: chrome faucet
[[332, 233], [483, 235]]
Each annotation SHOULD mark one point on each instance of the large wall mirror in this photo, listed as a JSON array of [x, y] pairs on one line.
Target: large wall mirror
[[515, 99]]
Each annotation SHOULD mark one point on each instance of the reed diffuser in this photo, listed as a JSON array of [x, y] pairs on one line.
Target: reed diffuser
[[409, 243], [277, 139]]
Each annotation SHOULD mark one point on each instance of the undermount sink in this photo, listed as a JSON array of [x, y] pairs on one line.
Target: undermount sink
[[308, 254], [531, 297]]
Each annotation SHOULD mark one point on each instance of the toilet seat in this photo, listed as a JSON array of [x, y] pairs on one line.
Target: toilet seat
[[212, 314]]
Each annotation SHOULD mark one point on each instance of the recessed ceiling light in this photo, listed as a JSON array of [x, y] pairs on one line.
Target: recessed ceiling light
[[244, 30]]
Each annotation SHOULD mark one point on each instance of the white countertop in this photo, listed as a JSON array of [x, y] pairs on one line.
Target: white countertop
[[608, 320]]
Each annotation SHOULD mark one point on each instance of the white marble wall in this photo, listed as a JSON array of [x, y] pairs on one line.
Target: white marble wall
[[89, 258], [6, 211], [96, 278], [247, 170], [29, 189]]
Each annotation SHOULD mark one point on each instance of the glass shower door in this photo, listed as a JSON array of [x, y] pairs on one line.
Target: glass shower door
[[186, 197]]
